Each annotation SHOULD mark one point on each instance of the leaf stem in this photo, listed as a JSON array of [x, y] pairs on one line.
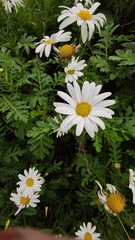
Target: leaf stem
[[123, 227]]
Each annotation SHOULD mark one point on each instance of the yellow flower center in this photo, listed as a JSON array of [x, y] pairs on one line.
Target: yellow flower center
[[83, 109], [87, 236], [71, 71], [47, 41], [30, 182], [84, 15], [66, 51], [24, 200], [115, 202]]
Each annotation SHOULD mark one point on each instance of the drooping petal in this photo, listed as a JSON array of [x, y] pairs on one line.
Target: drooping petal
[[68, 120], [80, 127], [88, 127], [97, 120], [47, 50], [84, 32], [67, 22]]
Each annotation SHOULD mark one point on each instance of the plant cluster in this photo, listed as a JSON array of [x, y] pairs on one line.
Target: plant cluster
[[83, 145]]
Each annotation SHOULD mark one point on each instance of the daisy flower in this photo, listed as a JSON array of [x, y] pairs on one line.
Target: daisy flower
[[84, 107], [47, 42], [87, 232], [113, 202], [73, 69], [9, 4], [22, 202], [30, 183], [132, 183], [84, 18]]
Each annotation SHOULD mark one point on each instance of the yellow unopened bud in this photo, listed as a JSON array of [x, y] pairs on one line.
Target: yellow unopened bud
[[59, 235], [7, 224], [117, 165], [1, 69], [46, 211]]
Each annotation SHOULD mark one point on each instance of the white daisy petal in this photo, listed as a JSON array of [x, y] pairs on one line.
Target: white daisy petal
[[132, 183], [77, 119], [89, 224], [67, 121], [67, 22], [91, 91], [100, 113], [97, 120], [77, 91], [99, 98], [80, 127], [94, 7], [93, 229], [47, 50], [85, 91], [65, 111], [84, 32], [88, 127], [67, 98]]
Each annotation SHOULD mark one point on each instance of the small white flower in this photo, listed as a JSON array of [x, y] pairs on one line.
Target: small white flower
[[84, 107], [22, 202], [58, 130], [132, 183], [88, 2], [30, 183], [87, 232], [113, 202], [133, 227], [84, 18], [73, 69], [47, 42], [9, 4]]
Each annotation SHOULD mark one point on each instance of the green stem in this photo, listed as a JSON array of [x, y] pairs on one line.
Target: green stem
[[25, 225], [123, 227]]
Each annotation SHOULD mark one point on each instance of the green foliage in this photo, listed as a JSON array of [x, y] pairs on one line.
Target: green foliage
[[13, 108], [39, 141], [25, 43]]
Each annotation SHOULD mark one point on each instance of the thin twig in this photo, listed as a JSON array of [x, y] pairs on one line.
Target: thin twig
[[81, 149]]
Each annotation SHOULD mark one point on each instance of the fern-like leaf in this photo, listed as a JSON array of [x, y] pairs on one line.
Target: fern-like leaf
[[14, 108]]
